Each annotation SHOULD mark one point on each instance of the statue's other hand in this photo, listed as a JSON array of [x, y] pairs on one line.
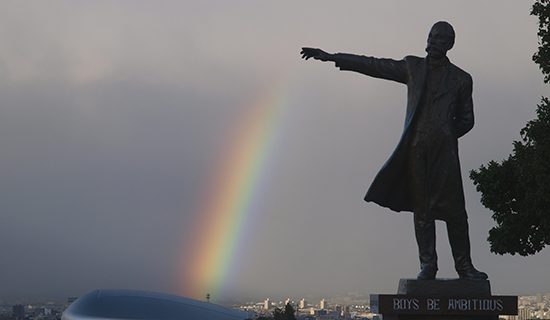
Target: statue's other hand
[[314, 53]]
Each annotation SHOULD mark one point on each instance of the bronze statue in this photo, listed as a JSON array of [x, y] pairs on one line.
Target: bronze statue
[[423, 173]]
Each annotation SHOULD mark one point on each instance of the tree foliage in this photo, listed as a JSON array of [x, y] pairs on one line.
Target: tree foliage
[[289, 312], [517, 189], [541, 9], [280, 314]]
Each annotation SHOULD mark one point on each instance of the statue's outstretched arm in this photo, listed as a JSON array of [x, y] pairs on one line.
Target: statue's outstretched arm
[[388, 69]]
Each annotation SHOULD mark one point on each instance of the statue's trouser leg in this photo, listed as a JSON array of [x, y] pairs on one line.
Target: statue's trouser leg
[[424, 230], [424, 224], [457, 230]]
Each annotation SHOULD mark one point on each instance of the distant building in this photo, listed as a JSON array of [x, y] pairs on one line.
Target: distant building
[[338, 309], [347, 312], [266, 304], [302, 304], [524, 314], [323, 304], [18, 312]]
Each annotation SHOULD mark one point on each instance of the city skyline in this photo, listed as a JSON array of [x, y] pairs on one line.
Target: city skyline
[[185, 147], [529, 306]]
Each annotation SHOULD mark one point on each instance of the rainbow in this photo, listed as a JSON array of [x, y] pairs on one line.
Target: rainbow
[[229, 198]]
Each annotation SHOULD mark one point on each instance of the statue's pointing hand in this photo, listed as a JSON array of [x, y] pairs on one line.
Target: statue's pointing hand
[[315, 53]]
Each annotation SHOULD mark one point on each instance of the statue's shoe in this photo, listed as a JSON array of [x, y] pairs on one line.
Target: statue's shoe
[[427, 273], [472, 274]]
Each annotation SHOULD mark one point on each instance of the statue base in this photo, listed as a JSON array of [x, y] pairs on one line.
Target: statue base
[[439, 286], [443, 299]]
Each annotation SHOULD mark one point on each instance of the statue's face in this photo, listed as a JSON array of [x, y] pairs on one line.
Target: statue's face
[[440, 40]]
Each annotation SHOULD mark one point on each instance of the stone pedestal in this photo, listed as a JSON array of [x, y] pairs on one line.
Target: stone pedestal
[[443, 299], [455, 287]]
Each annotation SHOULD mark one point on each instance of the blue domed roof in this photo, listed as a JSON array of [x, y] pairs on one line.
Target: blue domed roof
[[130, 304]]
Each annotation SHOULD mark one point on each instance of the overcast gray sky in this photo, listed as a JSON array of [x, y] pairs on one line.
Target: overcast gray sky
[[113, 115]]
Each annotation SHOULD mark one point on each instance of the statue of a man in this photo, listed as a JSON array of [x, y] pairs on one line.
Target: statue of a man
[[423, 173]]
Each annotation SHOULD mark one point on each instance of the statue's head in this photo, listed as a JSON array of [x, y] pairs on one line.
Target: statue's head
[[440, 40]]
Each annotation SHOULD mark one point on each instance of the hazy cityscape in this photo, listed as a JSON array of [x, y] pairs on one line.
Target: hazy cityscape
[[352, 306]]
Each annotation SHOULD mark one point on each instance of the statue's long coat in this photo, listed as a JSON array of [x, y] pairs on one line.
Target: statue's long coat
[[390, 187]]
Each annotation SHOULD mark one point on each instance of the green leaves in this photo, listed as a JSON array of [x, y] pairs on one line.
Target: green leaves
[[280, 314], [517, 190], [541, 9]]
